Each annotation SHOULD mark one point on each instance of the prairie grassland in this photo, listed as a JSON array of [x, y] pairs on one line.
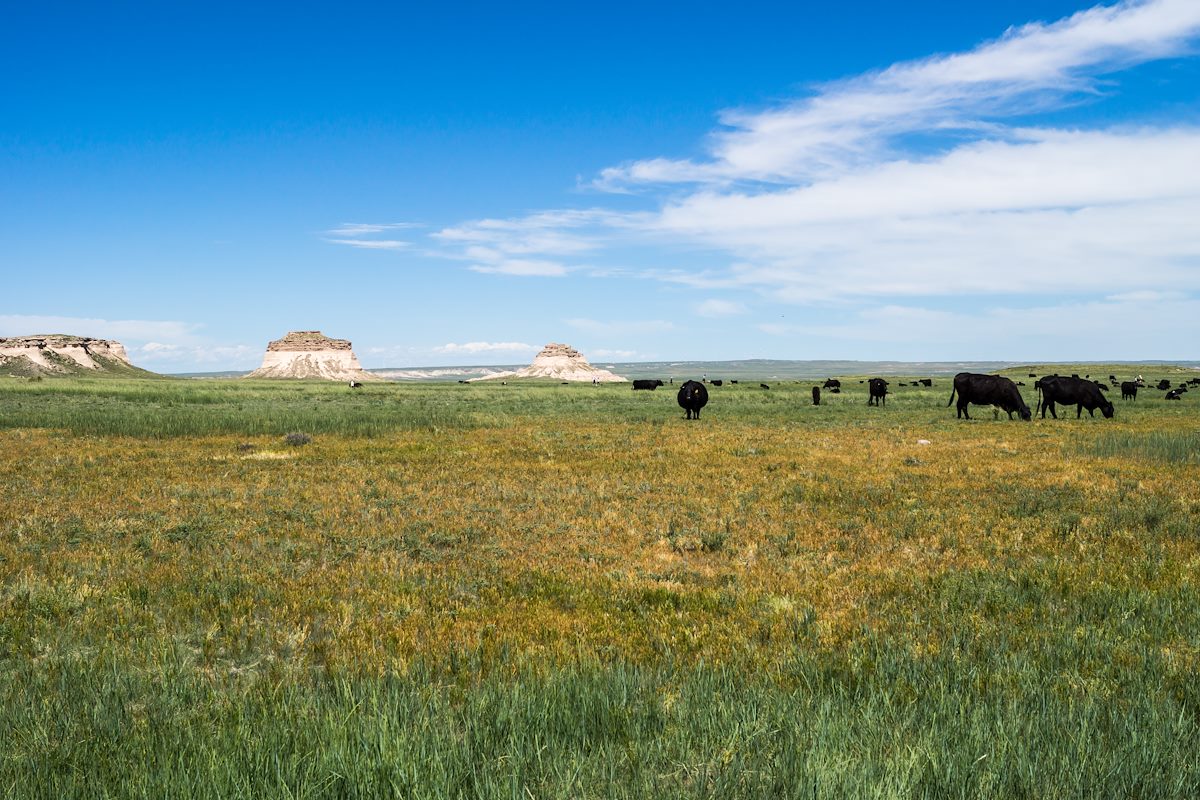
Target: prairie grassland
[[571, 591]]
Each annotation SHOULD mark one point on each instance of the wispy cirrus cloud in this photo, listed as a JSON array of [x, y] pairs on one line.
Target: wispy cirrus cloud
[[122, 330], [852, 122], [364, 235], [714, 307], [372, 244], [620, 327], [926, 178], [452, 348]]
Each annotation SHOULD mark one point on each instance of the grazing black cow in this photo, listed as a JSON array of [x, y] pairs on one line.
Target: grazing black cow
[[1164, 384], [927, 381], [1112, 378], [816, 395], [878, 392], [646, 384], [1071, 392], [988, 390], [1032, 375], [1129, 390], [831, 383], [1174, 394], [716, 382], [1100, 386], [355, 385], [733, 381], [763, 386], [692, 397], [1194, 382]]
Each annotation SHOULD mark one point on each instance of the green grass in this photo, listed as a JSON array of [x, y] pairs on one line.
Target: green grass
[[538, 590], [1165, 446]]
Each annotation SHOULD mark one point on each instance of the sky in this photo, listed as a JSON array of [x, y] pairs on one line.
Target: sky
[[922, 181]]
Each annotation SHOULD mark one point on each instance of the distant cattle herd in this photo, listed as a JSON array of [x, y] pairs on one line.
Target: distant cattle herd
[[969, 389], [1003, 394]]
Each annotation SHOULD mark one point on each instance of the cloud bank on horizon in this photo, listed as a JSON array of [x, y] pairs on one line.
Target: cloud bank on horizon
[[887, 193]]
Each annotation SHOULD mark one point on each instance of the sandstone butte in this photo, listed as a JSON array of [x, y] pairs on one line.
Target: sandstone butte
[[62, 354], [561, 362], [311, 354]]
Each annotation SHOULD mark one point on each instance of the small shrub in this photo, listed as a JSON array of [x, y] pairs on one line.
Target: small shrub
[[297, 439]]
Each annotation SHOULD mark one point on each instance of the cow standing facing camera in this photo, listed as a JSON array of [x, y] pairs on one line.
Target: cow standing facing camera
[[692, 397]]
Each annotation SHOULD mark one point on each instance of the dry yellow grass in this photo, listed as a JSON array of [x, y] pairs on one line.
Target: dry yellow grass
[[554, 539]]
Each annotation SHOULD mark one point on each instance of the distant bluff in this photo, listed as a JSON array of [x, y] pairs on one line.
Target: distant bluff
[[60, 354], [311, 354], [561, 362]]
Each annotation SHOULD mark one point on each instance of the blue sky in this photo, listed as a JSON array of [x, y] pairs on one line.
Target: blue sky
[[461, 185]]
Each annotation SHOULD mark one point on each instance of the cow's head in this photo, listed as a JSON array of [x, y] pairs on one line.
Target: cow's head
[[1107, 410]]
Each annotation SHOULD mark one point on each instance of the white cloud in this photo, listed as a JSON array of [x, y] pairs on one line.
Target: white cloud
[[355, 229], [1059, 212], [521, 266], [1067, 330], [121, 330], [827, 201], [1146, 296], [363, 235], [620, 327], [486, 347], [852, 122], [599, 353], [372, 244], [719, 308]]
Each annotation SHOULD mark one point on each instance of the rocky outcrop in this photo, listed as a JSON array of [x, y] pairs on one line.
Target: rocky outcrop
[[560, 362], [62, 354], [311, 354]]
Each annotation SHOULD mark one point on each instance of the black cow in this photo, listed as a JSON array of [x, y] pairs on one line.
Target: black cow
[[831, 383], [988, 390], [355, 385], [927, 381], [733, 381], [646, 384], [692, 397], [1129, 390], [836, 390], [1164, 384], [816, 395], [716, 382], [1072, 391], [763, 386], [1100, 386], [1032, 375], [878, 392], [1174, 394]]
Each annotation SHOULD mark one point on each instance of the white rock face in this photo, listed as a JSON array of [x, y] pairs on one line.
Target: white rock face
[[561, 362], [311, 354], [83, 350]]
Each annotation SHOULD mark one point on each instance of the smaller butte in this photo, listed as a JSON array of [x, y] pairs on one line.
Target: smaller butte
[[311, 355], [561, 362]]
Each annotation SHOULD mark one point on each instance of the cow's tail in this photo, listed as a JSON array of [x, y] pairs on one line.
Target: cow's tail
[[951, 402]]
